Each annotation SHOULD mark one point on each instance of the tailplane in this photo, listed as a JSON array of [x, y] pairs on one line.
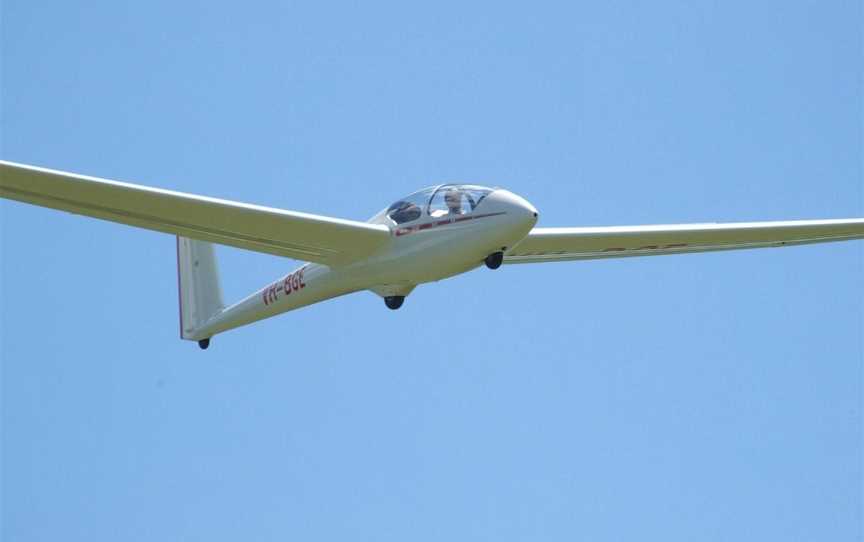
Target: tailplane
[[199, 290]]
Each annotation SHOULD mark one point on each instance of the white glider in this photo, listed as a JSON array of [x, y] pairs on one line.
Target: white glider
[[432, 234]]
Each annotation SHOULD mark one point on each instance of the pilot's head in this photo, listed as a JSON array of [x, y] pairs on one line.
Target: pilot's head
[[453, 199]]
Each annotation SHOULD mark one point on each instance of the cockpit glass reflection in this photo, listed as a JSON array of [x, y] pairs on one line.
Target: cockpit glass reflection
[[439, 201], [411, 207], [403, 211]]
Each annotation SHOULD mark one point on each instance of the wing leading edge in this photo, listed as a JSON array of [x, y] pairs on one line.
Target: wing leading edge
[[562, 244], [301, 236]]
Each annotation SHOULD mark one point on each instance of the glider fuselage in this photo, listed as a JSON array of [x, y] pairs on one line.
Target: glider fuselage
[[426, 249]]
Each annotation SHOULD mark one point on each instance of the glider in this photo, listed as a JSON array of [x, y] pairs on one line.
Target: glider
[[429, 235]]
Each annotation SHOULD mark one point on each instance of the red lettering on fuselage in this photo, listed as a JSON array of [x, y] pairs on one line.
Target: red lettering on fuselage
[[291, 283]]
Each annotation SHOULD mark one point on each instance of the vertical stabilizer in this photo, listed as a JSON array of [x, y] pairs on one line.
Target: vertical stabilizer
[[198, 282]]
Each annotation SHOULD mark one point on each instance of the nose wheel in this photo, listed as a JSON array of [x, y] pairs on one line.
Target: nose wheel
[[393, 302], [494, 260]]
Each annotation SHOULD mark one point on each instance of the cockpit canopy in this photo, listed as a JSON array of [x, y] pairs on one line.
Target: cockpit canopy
[[438, 201]]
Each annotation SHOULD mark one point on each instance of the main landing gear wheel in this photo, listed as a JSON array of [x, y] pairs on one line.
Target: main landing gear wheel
[[204, 343], [494, 260], [393, 302]]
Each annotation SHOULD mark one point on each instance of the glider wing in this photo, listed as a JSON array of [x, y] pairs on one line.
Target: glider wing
[[561, 244], [301, 236]]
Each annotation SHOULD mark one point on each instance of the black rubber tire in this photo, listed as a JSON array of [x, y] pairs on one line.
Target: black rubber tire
[[204, 343], [393, 302], [494, 260]]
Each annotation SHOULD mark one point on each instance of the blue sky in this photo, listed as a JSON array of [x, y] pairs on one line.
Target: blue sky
[[698, 397]]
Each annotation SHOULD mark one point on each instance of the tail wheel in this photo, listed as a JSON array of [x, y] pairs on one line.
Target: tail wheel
[[393, 302]]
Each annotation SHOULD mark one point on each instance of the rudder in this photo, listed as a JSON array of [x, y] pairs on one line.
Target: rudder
[[199, 291]]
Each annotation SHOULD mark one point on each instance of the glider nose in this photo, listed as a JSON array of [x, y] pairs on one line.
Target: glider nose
[[516, 205]]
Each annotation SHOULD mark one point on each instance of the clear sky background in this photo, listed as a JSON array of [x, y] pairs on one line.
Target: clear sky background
[[698, 397]]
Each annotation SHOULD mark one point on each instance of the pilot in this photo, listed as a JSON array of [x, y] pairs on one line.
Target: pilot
[[404, 211], [453, 199]]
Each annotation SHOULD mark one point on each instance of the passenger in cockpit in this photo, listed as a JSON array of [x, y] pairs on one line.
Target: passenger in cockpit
[[453, 199]]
